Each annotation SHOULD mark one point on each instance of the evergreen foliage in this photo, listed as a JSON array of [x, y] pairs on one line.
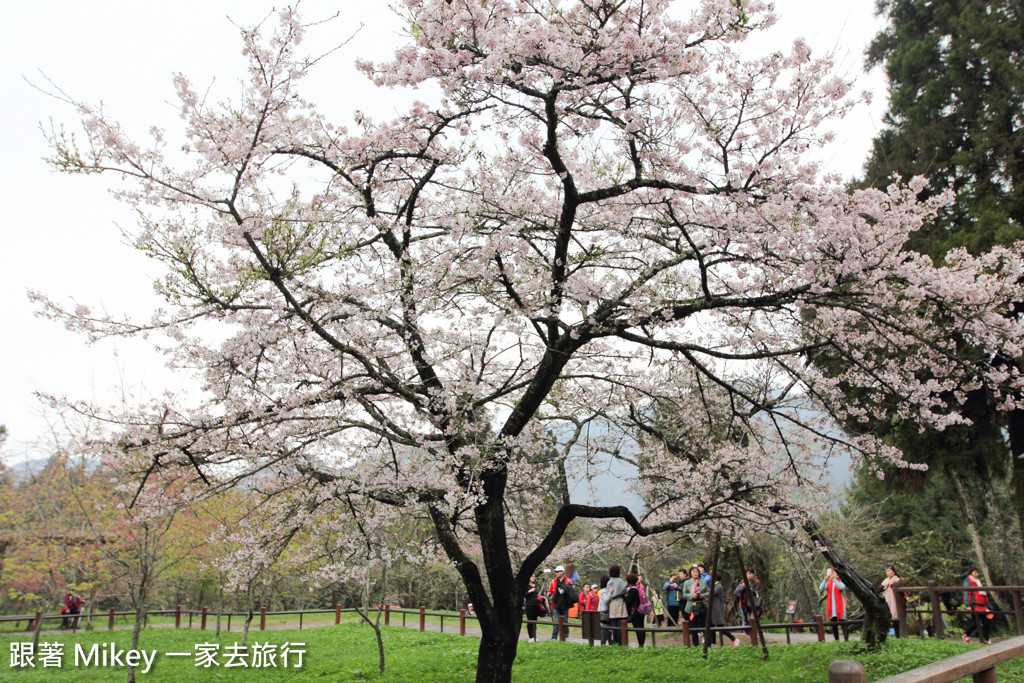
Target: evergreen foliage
[[955, 115], [956, 89]]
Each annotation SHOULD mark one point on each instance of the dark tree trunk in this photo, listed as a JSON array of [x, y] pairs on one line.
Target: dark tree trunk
[[1015, 427], [496, 655], [499, 603], [876, 612]]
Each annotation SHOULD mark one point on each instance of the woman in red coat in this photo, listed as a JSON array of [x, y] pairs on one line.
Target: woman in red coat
[[835, 600]]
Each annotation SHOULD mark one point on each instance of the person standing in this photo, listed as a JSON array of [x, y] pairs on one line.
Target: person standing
[[671, 589], [891, 581], [561, 597], [531, 609], [704, 575], [657, 606], [977, 603], [835, 601], [583, 600], [636, 619], [696, 592], [604, 597], [718, 609], [749, 603], [617, 603]]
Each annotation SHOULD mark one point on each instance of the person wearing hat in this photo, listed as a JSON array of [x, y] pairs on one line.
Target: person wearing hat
[[562, 596]]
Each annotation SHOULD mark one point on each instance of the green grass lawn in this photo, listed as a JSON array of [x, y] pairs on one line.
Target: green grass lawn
[[348, 653]]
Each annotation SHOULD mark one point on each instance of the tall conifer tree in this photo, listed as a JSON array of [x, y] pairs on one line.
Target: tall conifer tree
[[956, 116]]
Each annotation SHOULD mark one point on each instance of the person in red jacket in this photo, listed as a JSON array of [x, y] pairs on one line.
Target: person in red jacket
[[562, 596], [72, 606], [977, 602], [584, 598]]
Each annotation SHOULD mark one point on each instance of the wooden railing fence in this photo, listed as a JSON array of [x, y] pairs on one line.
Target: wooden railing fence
[[979, 664], [589, 629]]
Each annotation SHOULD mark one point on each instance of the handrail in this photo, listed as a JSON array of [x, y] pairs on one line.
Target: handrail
[[818, 625], [933, 590], [975, 663]]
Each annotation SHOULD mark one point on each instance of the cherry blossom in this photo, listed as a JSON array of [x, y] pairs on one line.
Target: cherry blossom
[[602, 240]]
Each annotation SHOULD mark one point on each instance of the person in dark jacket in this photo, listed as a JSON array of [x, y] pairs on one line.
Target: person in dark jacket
[[749, 604], [562, 596], [530, 608], [636, 620]]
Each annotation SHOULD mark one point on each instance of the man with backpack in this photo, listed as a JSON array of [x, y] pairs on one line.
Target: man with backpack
[[562, 596]]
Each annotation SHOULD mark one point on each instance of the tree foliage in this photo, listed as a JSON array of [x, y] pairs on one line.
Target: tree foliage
[[956, 115]]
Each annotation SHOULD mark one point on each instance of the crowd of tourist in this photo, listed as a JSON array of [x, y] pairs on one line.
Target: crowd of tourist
[[617, 599], [688, 596]]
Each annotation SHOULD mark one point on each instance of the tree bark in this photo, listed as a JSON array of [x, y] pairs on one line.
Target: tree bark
[[711, 597], [749, 595], [1015, 427], [1002, 530], [140, 613], [876, 612], [497, 653], [364, 613], [967, 509]]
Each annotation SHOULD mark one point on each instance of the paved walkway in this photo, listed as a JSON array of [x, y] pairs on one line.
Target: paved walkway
[[450, 625]]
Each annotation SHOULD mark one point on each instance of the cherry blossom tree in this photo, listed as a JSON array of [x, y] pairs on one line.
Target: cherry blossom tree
[[606, 215]]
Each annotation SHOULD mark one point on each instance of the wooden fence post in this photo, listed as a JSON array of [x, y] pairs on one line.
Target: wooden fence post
[[986, 676], [901, 613], [202, 622], [110, 619], [1018, 612], [423, 618], [387, 615], [263, 618], [820, 624], [177, 616], [623, 632], [846, 671], [755, 633], [337, 614], [938, 628], [686, 630], [462, 622]]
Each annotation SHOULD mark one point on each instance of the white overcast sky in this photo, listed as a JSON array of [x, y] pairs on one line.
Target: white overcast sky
[[60, 234]]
